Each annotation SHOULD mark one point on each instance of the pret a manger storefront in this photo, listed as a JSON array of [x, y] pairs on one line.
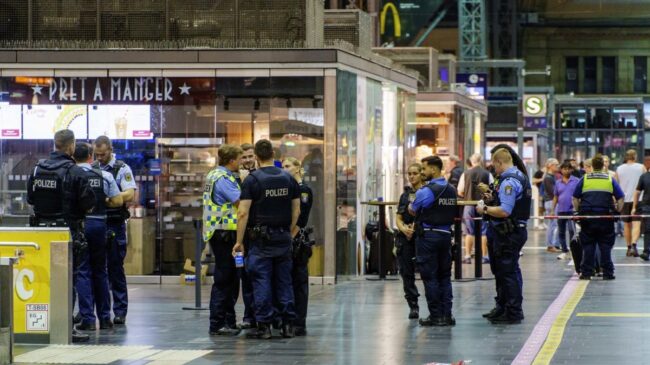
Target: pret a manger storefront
[[169, 111]]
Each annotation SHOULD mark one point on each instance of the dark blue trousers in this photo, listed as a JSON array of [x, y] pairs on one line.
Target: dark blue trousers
[[595, 234], [225, 289], [271, 278], [84, 285], [116, 232], [300, 278], [247, 296], [504, 263], [433, 257], [96, 236]]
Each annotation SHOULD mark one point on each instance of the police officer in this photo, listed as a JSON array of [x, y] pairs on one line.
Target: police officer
[[116, 225], [92, 279], [220, 201], [61, 197], [435, 207], [508, 214], [272, 199], [593, 196], [246, 166], [302, 247], [406, 239]]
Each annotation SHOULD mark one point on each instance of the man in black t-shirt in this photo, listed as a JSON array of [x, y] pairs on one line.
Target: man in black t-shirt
[[268, 212], [644, 208]]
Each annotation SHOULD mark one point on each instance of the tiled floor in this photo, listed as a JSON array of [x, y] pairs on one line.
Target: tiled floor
[[363, 322]]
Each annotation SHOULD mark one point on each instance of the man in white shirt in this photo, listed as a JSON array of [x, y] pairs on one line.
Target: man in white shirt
[[628, 176]]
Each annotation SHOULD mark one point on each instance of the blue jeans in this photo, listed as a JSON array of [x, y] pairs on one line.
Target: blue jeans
[[433, 257], [116, 233], [562, 225], [551, 226], [504, 263]]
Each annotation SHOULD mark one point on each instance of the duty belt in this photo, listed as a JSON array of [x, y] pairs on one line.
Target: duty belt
[[424, 229]]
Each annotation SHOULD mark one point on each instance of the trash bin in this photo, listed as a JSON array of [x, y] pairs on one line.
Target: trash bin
[[6, 310]]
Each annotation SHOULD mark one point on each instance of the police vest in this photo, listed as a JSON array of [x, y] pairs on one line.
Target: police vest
[[521, 210], [50, 191], [96, 183], [444, 208], [407, 197], [215, 216], [273, 209], [119, 213], [597, 193]]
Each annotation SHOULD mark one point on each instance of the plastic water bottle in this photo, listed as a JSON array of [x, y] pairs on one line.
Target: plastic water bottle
[[239, 259]]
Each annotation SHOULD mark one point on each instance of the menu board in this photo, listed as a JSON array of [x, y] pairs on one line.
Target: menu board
[[10, 121], [120, 121], [42, 121]]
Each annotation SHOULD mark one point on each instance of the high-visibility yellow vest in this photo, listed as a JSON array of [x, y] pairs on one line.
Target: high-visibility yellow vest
[[215, 216]]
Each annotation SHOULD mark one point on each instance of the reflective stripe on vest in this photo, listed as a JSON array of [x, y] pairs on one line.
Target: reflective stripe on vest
[[215, 216], [598, 182]]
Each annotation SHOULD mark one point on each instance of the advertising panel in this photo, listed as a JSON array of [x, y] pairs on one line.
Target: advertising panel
[[42, 121], [120, 121], [10, 121]]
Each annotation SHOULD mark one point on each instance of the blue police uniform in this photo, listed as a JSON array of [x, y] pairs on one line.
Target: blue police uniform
[[116, 232], [92, 278], [269, 261], [595, 192], [436, 207], [406, 251], [514, 197], [248, 321], [302, 253]]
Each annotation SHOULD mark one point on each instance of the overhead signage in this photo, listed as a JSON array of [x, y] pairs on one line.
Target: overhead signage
[[475, 83], [534, 105], [42, 121], [110, 90], [400, 21], [119, 121]]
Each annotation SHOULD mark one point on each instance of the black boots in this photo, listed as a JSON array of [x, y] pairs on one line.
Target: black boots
[[263, 332]]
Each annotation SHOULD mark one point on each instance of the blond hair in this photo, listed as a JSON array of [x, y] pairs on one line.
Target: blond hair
[[295, 162], [502, 155]]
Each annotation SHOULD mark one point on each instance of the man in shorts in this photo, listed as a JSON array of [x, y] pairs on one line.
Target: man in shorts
[[628, 177]]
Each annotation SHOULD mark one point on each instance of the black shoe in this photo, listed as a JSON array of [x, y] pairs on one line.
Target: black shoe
[[429, 321], [609, 277], [246, 325], [225, 331], [299, 331], [584, 277], [77, 318], [445, 321], [414, 313], [105, 325], [79, 337], [645, 256], [86, 326], [635, 252], [287, 331], [495, 312], [263, 331], [277, 324], [505, 319], [119, 320], [629, 251]]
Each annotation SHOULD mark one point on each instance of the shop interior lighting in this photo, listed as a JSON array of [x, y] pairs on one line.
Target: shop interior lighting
[[256, 105]]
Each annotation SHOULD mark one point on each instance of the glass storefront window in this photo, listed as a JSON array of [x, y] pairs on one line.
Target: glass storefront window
[[627, 118], [573, 118]]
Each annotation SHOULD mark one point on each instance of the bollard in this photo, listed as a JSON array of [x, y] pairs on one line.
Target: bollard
[[197, 266], [6, 310], [478, 248], [458, 253]]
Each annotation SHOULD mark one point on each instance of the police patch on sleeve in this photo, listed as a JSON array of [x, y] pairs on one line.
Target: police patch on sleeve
[[508, 190], [128, 177], [304, 197]]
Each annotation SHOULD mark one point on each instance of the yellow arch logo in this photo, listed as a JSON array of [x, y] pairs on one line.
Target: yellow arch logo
[[396, 21]]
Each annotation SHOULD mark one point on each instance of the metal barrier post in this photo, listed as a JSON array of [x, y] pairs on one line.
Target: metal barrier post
[[6, 310], [458, 253], [197, 266], [478, 248]]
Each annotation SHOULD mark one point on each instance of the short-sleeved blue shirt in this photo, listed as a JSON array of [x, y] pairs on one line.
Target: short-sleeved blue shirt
[[225, 190], [424, 198], [510, 190], [124, 178]]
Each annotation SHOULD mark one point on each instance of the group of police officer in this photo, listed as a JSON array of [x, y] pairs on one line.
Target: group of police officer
[[70, 190], [425, 217], [258, 212]]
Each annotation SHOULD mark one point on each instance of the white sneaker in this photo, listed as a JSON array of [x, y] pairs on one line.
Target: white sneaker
[[562, 256]]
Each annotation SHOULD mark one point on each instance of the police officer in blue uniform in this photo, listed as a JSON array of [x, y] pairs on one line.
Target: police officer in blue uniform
[[116, 225], [61, 197], [220, 201], [435, 208], [92, 278], [302, 247], [405, 240], [595, 195], [507, 213], [268, 213]]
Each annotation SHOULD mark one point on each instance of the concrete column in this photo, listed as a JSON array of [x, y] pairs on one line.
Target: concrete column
[[329, 177]]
